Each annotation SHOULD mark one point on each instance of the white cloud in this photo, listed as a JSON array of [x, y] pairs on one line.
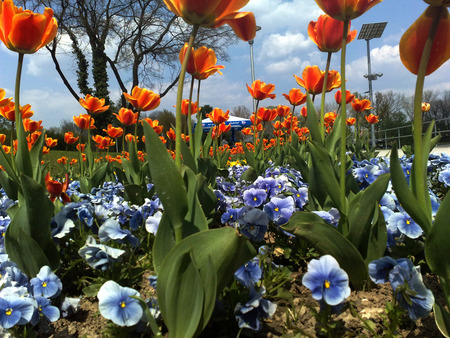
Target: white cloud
[[278, 46], [273, 15]]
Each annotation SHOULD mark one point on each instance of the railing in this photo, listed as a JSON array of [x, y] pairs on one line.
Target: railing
[[403, 135]]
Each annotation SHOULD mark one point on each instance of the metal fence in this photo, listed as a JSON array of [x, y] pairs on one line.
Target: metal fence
[[403, 135]]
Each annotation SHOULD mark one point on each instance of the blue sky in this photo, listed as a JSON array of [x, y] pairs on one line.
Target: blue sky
[[282, 48]]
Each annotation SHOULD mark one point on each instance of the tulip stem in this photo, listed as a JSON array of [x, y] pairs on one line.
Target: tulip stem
[[191, 136], [419, 166], [322, 101], [22, 155], [199, 114], [292, 123], [180, 97], [343, 119], [254, 124]]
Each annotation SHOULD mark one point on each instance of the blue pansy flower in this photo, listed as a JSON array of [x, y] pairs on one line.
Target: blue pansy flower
[[327, 280], [99, 256], [111, 230], [254, 197], [231, 215], [379, 269], [152, 222], [46, 283], [115, 303], [70, 306], [50, 312], [405, 224], [61, 225], [249, 315], [279, 210], [253, 224], [249, 273], [300, 196], [412, 294], [15, 310], [444, 176]]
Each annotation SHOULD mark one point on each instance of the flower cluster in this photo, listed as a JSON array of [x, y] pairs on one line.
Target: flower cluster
[[406, 282]]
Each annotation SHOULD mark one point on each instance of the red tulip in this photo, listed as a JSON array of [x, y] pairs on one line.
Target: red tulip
[[413, 41], [346, 9], [326, 33], [215, 13]]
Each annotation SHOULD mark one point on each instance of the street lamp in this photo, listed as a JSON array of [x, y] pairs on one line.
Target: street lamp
[[252, 63], [370, 31]]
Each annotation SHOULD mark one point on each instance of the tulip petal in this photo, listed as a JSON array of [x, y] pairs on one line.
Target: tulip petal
[[413, 41], [242, 23]]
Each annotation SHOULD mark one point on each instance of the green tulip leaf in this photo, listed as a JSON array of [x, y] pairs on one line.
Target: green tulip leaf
[[327, 240]]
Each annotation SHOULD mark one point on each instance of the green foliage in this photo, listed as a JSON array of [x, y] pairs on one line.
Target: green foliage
[[28, 239]]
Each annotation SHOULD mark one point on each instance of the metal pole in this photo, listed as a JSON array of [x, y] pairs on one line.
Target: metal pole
[[252, 64], [369, 77]]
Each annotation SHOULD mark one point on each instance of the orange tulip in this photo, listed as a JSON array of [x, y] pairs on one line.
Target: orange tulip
[[217, 116], [266, 115], [349, 97], [3, 101], [171, 134], [350, 121], [312, 80], [330, 118], [130, 138], [73, 161], [51, 142], [2, 138], [82, 121], [346, 9], [154, 124], [8, 111], [304, 112], [413, 41], [283, 110], [32, 138], [425, 107], [215, 13], [361, 105], [295, 97], [326, 33], [126, 116], [6, 149], [31, 126], [185, 107], [113, 132], [372, 119], [277, 125], [57, 189], [24, 31], [62, 160], [81, 146], [93, 105], [143, 99], [202, 62], [260, 90], [246, 131], [69, 138]]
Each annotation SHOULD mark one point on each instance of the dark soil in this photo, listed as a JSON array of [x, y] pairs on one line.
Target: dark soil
[[291, 318]]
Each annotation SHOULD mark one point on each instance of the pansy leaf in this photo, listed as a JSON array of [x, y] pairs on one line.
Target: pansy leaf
[[327, 240]]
